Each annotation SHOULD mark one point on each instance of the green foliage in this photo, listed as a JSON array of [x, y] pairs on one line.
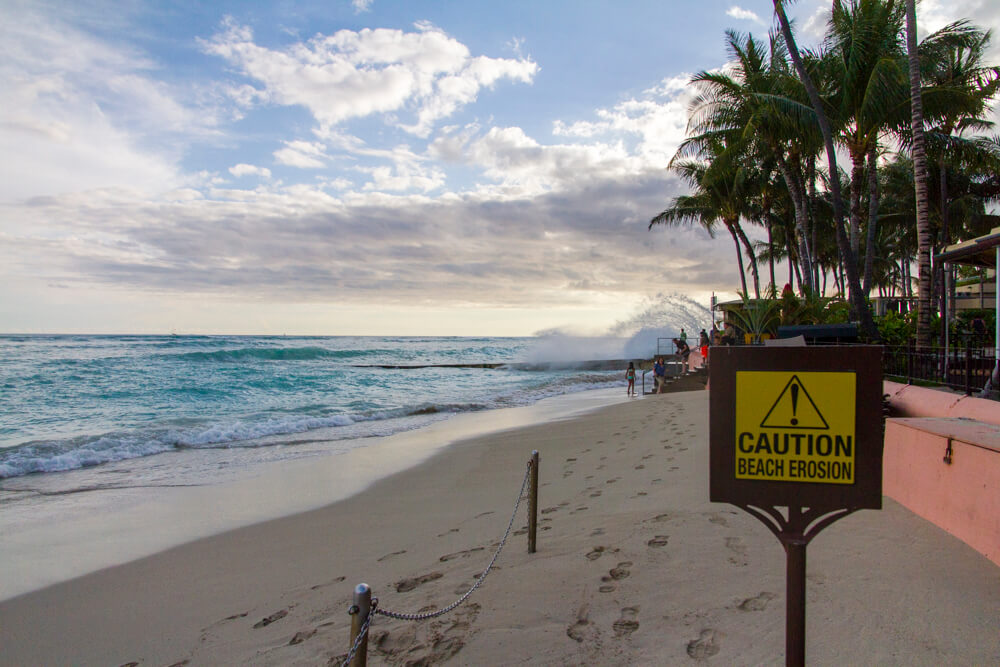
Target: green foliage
[[812, 308], [896, 329], [757, 316]]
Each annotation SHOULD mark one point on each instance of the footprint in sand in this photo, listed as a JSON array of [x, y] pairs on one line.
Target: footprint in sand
[[570, 460], [612, 480], [301, 636], [607, 588], [640, 467], [449, 532], [621, 571], [658, 541], [595, 494], [739, 556], [596, 552], [757, 603], [460, 554], [640, 494], [550, 510], [407, 585], [596, 532], [627, 624], [705, 646], [578, 630], [333, 581], [718, 519], [387, 556], [268, 620]]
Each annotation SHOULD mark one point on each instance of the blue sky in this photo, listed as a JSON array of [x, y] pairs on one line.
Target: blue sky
[[356, 167]]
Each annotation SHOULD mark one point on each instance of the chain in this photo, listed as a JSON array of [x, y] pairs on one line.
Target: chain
[[479, 581], [362, 633]]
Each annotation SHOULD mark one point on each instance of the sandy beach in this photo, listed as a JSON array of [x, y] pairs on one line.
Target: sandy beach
[[634, 566]]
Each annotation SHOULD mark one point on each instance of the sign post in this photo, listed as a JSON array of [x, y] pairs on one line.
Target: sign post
[[796, 441]]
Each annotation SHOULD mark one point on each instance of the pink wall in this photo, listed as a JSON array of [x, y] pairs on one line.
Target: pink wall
[[961, 497], [910, 401]]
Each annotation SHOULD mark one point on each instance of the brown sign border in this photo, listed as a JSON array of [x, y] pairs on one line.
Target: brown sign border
[[863, 360]]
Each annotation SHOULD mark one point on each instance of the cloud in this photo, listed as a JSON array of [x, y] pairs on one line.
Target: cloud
[[242, 169], [81, 113], [350, 74], [302, 154], [361, 6], [738, 12]]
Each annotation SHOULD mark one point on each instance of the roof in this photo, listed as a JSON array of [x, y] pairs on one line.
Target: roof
[[980, 251]]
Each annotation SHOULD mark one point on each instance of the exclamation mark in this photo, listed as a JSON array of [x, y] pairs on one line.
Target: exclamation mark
[[795, 403]]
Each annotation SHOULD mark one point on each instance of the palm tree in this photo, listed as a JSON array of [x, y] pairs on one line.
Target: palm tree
[[739, 106], [919, 182], [864, 53], [857, 300], [722, 188]]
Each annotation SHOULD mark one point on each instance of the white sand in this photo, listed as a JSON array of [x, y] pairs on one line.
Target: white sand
[[634, 566]]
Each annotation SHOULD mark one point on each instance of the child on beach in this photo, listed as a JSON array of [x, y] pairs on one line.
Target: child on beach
[[630, 376]]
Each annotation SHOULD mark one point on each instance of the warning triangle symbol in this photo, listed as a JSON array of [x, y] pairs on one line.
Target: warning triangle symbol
[[794, 408]]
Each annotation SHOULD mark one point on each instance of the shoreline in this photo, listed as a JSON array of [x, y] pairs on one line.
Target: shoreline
[[90, 528], [634, 566]]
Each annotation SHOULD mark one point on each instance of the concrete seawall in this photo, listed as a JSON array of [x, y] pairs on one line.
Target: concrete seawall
[[941, 460]]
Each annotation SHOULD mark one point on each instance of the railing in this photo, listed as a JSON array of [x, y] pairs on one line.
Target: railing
[[365, 607], [963, 367]]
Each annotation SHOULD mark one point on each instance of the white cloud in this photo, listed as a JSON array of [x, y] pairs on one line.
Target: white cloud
[[361, 6], [302, 154], [243, 169], [356, 74], [738, 12], [81, 113]]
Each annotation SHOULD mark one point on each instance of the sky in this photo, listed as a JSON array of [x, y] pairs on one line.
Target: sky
[[358, 168]]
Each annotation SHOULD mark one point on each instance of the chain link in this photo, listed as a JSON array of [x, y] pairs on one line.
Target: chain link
[[362, 633], [479, 581]]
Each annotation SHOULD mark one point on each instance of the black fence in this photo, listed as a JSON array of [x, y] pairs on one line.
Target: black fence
[[965, 367]]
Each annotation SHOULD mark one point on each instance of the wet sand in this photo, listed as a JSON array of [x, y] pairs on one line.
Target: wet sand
[[634, 566]]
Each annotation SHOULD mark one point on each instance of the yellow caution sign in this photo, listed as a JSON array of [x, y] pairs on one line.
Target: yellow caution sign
[[795, 426]]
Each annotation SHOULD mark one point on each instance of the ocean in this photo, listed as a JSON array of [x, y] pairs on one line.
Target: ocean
[[73, 402]]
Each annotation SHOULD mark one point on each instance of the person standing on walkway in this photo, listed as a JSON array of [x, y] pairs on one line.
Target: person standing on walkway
[[683, 351], [683, 336], [659, 375]]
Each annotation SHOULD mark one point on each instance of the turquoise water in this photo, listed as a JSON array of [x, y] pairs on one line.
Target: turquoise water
[[71, 402]]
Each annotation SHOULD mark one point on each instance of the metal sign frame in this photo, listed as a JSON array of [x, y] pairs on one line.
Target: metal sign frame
[[797, 511]]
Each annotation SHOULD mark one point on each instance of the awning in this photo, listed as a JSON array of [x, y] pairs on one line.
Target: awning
[[980, 251]]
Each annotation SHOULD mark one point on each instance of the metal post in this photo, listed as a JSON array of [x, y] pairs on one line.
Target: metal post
[[968, 366], [362, 607], [533, 503], [795, 608], [909, 361]]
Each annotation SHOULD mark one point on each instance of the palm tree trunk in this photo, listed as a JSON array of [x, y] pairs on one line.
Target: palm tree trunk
[[873, 201], [857, 300], [797, 194], [770, 246], [751, 256], [857, 184], [739, 259], [919, 182], [813, 223]]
